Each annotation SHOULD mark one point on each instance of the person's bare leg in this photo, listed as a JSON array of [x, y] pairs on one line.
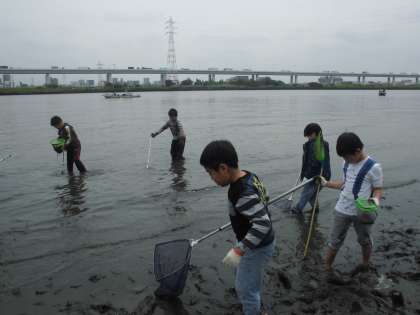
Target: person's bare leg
[[329, 258], [366, 253]]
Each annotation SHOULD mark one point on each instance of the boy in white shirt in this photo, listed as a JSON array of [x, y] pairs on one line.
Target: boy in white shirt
[[361, 191]]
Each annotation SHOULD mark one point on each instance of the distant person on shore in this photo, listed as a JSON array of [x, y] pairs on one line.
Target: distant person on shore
[[311, 166], [361, 192], [250, 220], [178, 140], [72, 144]]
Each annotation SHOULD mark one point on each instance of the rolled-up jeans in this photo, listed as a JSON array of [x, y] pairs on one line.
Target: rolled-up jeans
[[249, 275], [307, 195]]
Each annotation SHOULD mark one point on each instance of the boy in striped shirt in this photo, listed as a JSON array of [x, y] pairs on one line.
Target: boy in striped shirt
[[250, 220], [178, 134]]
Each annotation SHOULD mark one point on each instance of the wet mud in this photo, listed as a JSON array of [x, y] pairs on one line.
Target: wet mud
[[84, 244]]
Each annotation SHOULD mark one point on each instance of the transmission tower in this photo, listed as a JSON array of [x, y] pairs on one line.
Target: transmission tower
[[171, 60]]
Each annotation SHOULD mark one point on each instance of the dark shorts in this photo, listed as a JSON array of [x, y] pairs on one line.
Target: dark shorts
[[73, 157], [177, 148]]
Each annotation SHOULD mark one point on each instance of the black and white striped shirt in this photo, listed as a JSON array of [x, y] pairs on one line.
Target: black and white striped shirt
[[248, 212]]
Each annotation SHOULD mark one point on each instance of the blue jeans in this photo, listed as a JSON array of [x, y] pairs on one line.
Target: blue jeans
[[249, 278], [307, 195]]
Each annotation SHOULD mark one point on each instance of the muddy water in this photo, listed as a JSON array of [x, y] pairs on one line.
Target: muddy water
[[84, 244]]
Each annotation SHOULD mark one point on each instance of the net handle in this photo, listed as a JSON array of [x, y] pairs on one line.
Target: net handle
[[227, 225]]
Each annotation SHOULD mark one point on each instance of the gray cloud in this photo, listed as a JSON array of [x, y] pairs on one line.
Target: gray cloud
[[376, 35]]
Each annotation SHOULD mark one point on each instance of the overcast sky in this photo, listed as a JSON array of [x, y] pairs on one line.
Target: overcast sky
[[301, 35]]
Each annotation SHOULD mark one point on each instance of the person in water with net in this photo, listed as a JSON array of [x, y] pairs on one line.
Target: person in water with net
[[311, 166], [71, 145], [250, 220], [361, 191], [178, 134]]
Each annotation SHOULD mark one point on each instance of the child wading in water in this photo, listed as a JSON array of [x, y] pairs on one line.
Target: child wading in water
[[312, 167], [361, 191], [72, 144], [250, 220], [178, 141]]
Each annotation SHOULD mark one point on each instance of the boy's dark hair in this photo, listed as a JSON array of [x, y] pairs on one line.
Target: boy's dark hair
[[55, 120], [311, 128], [218, 152], [348, 143], [173, 112]]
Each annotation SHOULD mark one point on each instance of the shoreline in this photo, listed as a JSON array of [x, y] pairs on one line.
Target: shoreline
[[49, 90]]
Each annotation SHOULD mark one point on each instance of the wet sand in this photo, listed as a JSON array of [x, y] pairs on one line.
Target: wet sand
[[292, 285]]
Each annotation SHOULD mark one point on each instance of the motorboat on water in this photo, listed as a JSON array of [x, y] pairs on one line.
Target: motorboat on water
[[122, 95], [382, 92]]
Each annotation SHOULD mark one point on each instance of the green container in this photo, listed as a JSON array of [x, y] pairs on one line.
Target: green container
[[367, 211], [58, 144]]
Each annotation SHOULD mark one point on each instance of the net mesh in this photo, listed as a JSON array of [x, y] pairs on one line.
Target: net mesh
[[171, 262]]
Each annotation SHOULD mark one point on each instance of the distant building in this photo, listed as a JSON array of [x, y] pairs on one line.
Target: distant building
[[81, 83], [54, 81], [90, 83], [330, 80], [50, 81], [146, 81], [7, 80], [238, 79], [133, 83], [264, 79], [405, 82]]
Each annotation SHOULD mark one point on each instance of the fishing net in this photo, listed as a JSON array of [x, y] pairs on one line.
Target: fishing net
[[171, 262], [319, 148]]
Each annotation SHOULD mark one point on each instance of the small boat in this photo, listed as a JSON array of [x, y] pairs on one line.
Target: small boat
[[122, 95], [382, 93]]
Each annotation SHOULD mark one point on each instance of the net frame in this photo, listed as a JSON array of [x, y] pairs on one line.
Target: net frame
[[158, 258]]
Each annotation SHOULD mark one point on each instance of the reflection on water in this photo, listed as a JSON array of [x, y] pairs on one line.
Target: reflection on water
[[71, 196], [179, 183]]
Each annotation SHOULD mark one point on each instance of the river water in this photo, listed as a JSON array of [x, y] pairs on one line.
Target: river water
[[84, 244]]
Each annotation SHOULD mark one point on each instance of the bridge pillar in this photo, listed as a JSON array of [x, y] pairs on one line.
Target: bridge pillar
[[253, 77], [417, 80], [389, 80], [212, 77], [393, 80], [291, 79], [109, 77], [256, 76], [296, 78], [363, 79], [47, 79], [358, 79]]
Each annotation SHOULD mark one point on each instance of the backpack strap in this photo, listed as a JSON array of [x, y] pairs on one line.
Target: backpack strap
[[345, 168], [361, 175]]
